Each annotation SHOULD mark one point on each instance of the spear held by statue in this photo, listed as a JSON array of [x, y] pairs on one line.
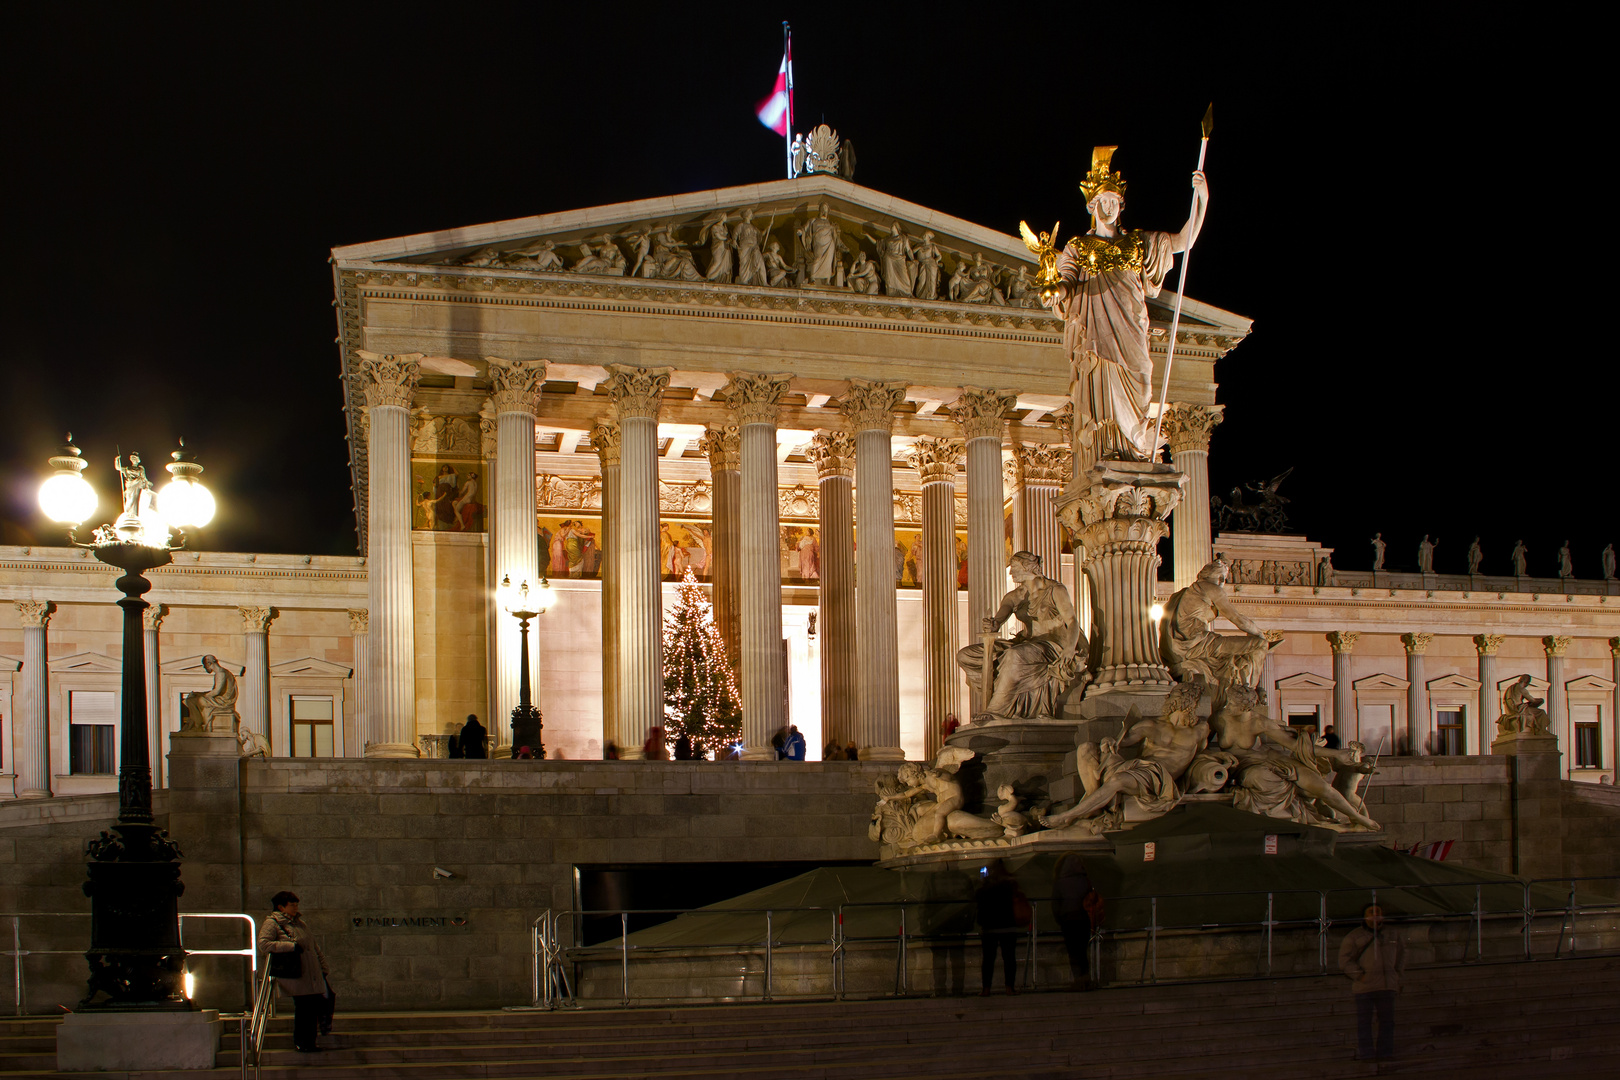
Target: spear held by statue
[[1207, 126]]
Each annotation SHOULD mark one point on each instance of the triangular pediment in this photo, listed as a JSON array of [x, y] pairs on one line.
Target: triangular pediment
[[311, 667], [1306, 680], [1381, 681], [192, 665], [1591, 682], [86, 662], [1457, 683], [618, 243]]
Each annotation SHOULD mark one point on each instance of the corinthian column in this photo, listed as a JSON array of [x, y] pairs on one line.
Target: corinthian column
[[723, 444], [936, 461], [360, 631], [514, 400], [868, 407], [389, 383], [834, 455], [753, 401], [1042, 470], [32, 713], [980, 414], [1490, 705], [1188, 427], [254, 701], [605, 437], [1342, 642], [1557, 695], [151, 621], [1417, 707], [636, 394]]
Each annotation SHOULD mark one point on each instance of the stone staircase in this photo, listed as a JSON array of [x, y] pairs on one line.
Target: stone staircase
[[1530, 1020]]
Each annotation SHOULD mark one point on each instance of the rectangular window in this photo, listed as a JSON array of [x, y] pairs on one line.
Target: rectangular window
[[1448, 730], [1299, 716], [1375, 728], [92, 732], [312, 730], [1588, 740]]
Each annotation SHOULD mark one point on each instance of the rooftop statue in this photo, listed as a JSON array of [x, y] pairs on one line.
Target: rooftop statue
[[1104, 280], [1043, 660], [1191, 647], [1266, 515]]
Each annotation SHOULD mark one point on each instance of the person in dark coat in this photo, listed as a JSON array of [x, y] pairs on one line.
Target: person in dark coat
[[473, 737], [283, 931], [997, 899], [1330, 738], [1374, 956], [1070, 887]]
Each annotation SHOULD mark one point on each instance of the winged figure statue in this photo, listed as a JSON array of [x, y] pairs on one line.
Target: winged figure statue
[[1041, 244]]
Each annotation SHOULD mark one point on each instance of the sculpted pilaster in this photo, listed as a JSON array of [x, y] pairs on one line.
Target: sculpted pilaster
[[753, 398], [152, 617], [1556, 645], [1342, 641], [936, 459], [516, 384], [1614, 647], [1188, 427], [637, 392], [359, 621], [607, 439], [723, 445], [981, 412], [32, 709], [388, 379], [1416, 644], [35, 614], [256, 620], [1490, 702], [869, 405], [834, 454], [1487, 644]]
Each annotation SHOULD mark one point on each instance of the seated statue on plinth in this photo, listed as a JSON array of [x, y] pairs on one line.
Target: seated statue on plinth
[[205, 712], [1521, 713], [1189, 645], [1042, 661]]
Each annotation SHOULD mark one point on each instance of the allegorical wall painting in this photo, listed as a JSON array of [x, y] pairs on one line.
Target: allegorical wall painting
[[449, 496]]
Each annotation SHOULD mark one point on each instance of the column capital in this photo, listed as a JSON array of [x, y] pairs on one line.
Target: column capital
[[1044, 464], [980, 411], [256, 620], [1487, 644], [936, 460], [1614, 646], [35, 614], [637, 391], [869, 406], [359, 620], [1273, 637], [723, 444], [752, 398], [1188, 426], [1556, 644], [488, 427], [516, 384], [834, 454], [1416, 644], [606, 439], [389, 379], [1342, 641], [152, 617]]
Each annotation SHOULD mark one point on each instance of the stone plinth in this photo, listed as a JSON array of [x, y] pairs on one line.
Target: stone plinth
[[126, 1041], [1516, 743], [1027, 754], [205, 817]]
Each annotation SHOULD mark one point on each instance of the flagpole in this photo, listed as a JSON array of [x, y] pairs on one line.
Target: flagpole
[[787, 55], [1181, 292]]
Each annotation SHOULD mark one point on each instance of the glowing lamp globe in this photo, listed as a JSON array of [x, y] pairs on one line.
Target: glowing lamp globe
[[67, 497], [545, 597], [1156, 612], [184, 502]]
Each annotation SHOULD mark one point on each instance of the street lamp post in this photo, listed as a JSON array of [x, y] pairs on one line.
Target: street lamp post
[[134, 872], [527, 721]]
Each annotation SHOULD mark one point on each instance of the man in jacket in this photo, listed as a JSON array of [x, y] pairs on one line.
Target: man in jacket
[[1374, 956]]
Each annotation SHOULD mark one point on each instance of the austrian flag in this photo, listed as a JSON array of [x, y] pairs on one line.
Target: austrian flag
[[776, 111]]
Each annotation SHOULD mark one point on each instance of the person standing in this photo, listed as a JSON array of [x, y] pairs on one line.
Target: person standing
[[473, 743], [284, 931], [997, 898], [793, 747], [1374, 957], [1071, 891], [1330, 738]]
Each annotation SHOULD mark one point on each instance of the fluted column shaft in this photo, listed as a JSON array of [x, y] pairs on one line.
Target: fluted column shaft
[[980, 414], [869, 406], [1612, 742], [32, 709], [1490, 703], [606, 439], [753, 401], [253, 702], [390, 383], [936, 462], [1344, 692], [724, 446], [514, 537], [1188, 428], [1418, 727], [360, 631], [151, 622], [834, 454], [1558, 695], [636, 395]]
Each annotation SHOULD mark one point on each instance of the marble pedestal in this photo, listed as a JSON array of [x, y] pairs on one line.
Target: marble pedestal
[[1027, 754], [1520, 742], [129, 1041]]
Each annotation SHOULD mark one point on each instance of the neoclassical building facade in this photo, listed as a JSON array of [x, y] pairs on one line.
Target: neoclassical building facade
[[838, 410]]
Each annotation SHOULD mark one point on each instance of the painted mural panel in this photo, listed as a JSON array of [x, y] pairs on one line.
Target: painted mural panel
[[448, 496], [570, 546]]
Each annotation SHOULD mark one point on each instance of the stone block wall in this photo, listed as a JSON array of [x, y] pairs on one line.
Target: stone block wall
[[1468, 800]]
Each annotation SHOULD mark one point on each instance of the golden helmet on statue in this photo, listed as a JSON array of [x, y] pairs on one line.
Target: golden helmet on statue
[[1099, 179]]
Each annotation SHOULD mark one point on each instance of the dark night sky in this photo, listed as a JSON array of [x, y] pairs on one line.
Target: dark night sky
[[1406, 204]]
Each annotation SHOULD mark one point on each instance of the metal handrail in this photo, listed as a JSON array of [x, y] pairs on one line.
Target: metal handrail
[[251, 1045]]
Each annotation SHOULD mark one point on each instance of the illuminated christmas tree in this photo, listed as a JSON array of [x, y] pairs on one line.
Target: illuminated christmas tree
[[700, 694]]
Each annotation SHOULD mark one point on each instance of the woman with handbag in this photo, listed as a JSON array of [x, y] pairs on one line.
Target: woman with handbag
[[298, 966]]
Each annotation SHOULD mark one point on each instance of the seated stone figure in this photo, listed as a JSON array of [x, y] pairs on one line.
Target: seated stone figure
[[1041, 661], [1285, 785], [1521, 713], [212, 710], [1189, 645]]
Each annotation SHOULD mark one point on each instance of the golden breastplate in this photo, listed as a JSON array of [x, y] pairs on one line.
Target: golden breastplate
[[1100, 254]]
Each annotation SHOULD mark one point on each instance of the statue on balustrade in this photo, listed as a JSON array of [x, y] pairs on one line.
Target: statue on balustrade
[[1522, 713], [204, 712], [1105, 279], [1041, 662], [1191, 647]]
